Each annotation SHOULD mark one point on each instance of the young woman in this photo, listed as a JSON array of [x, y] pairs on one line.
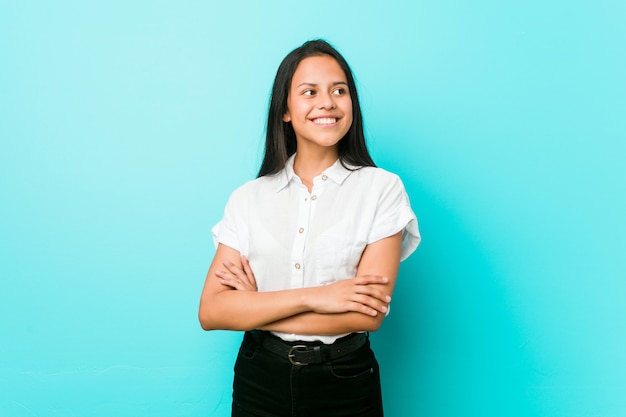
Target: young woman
[[308, 253]]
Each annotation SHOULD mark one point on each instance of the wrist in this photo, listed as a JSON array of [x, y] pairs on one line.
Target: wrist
[[306, 297]]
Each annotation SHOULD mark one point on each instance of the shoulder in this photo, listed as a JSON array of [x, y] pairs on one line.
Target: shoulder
[[377, 177], [257, 185], [380, 185]]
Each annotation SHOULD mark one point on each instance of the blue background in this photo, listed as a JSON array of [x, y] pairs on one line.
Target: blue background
[[124, 126]]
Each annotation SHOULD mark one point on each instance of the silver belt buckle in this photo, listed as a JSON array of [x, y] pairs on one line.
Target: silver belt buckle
[[291, 355]]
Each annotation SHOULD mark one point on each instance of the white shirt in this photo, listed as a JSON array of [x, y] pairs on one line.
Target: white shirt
[[297, 239]]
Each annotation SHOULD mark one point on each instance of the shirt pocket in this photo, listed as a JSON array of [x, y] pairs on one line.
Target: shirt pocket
[[337, 258]]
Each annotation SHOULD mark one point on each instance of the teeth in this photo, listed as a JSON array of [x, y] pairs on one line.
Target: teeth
[[325, 121]]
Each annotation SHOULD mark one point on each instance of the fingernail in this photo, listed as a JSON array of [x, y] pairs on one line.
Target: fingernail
[[227, 262], [387, 298], [383, 309]]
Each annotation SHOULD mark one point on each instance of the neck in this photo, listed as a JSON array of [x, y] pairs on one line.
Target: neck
[[308, 165]]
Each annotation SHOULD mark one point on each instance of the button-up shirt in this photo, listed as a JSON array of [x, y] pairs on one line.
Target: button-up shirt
[[294, 238]]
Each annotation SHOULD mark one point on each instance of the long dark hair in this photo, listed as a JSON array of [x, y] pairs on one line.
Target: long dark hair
[[280, 140]]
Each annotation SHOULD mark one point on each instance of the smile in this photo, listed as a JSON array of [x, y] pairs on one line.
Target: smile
[[325, 121]]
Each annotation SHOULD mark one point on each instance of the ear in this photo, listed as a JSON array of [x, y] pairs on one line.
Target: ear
[[286, 117]]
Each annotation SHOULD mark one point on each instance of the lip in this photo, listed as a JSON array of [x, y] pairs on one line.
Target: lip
[[323, 121]]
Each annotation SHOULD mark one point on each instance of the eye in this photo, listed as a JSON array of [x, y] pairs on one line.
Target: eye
[[339, 91], [308, 92]]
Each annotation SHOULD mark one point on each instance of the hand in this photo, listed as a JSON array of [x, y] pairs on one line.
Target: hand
[[237, 278], [358, 294]]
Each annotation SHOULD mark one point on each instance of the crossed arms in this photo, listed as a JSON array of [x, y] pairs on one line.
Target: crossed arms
[[230, 300]]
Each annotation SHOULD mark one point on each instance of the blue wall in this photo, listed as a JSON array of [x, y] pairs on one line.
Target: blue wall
[[125, 125]]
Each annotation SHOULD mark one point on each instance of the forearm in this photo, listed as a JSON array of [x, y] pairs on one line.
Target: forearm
[[326, 324], [246, 310]]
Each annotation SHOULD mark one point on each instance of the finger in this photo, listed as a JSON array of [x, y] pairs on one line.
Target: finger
[[248, 270], [372, 303], [234, 269], [238, 282], [227, 278], [371, 279], [233, 283], [361, 308], [227, 282], [222, 274], [225, 275], [373, 292], [241, 274]]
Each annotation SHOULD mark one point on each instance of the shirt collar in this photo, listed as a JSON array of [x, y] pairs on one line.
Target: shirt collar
[[336, 172], [285, 176]]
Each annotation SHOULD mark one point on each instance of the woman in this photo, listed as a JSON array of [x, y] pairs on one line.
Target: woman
[[308, 253]]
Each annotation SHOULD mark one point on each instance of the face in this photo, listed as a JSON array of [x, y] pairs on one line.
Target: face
[[319, 106]]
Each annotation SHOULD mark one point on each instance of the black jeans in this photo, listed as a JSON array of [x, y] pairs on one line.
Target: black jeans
[[268, 385]]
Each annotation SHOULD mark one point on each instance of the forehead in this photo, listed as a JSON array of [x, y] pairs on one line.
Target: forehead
[[318, 69]]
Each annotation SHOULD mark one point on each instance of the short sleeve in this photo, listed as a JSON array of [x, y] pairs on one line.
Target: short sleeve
[[394, 214], [227, 230]]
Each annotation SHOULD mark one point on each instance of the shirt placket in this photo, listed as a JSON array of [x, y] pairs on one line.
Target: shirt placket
[[306, 210]]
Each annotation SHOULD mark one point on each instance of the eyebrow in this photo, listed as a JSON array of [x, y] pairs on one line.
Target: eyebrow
[[315, 85]]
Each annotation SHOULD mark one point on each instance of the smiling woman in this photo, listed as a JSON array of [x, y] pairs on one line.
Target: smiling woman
[[308, 253], [319, 106]]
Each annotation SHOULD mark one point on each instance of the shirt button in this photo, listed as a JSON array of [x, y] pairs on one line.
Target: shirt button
[[297, 266], [313, 197], [324, 177], [300, 230]]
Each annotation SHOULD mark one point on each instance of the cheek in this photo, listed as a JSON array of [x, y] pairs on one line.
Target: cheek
[[348, 115], [295, 110], [347, 108]]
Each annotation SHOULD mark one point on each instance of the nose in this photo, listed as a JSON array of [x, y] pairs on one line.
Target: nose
[[326, 101]]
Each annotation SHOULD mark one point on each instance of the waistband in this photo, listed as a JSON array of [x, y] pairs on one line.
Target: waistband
[[305, 353]]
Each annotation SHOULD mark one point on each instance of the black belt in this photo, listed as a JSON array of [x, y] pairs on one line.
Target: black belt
[[300, 354]]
